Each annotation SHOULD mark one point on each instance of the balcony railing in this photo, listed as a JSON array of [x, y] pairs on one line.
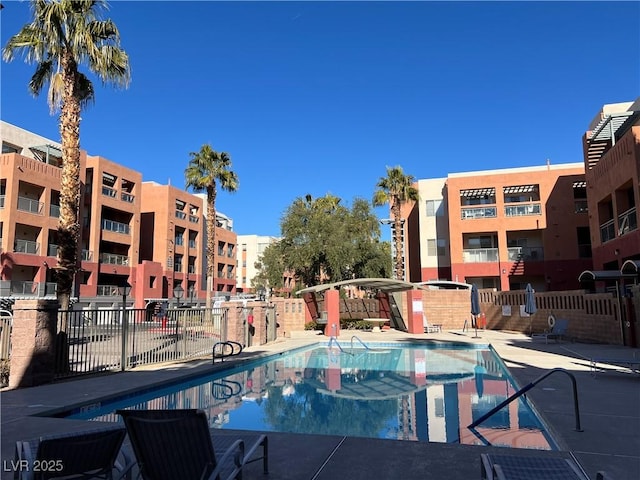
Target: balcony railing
[[54, 210], [480, 255], [25, 288], [191, 269], [522, 210], [1, 201], [627, 221], [107, 290], [179, 241], [479, 212], [177, 266], [581, 206], [181, 215], [114, 259], [607, 231], [127, 197], [30, 205], [193, 219], [115, 226], [52, 251], [26, 246], [87, 255], [525, 253], [192, 244], [109, 192]]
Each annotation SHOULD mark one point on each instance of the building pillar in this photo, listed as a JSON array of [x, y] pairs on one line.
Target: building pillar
[[332, 307], [415, 322], [33, 340]]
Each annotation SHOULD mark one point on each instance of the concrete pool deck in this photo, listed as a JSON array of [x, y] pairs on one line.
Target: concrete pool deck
[[609, 410]]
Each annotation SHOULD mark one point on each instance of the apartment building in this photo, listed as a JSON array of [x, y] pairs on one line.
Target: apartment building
[[150, 235], [251, 248], [611, 148], [503, 228]]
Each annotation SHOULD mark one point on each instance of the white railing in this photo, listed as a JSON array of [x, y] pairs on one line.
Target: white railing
[[114, 226], [480, 255], [627, 221], [525, 253], [522, 210], [54, 210], [180, 215], [127, 197], [30, 205], [114, 259], [193, 219], [108, 192], [26, 246], [87, 255], [607, 231], [478, 212]]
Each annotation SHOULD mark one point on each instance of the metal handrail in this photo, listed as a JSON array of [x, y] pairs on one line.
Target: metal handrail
[[335, 340], [222, 355], [361, 342], [528, 387]]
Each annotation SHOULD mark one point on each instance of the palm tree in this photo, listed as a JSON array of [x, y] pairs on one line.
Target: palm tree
[[62, 35], [207, 169], [396, 189]]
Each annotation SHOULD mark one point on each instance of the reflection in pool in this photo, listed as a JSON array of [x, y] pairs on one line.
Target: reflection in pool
[[392, 391]]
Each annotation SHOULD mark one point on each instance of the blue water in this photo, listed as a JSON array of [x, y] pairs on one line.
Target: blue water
[[393, 391]]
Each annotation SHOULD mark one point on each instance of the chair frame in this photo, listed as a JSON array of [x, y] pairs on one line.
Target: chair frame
[[78, 455], [218, 456]]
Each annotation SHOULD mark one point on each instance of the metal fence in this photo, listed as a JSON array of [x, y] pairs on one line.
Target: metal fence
[[120, 339], [6, 319]]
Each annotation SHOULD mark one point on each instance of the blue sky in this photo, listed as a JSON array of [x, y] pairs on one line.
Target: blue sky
[[320, 97]]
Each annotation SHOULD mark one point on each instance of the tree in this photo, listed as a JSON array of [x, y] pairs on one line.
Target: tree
[[207, 169], [62, 35], [396, 189], [324, 241]]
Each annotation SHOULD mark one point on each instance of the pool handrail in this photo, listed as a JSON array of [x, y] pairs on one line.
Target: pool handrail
[[361, 342], [222, 355]]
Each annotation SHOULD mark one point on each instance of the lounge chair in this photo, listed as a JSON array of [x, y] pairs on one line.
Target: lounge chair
[[557, 332], [505, 467], [91, 454], [177, 444]]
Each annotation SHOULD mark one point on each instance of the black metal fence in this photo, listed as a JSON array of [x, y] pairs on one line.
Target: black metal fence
[[119, 339]]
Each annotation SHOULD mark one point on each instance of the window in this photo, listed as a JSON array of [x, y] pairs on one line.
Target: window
[[431, 247], [442, 247], [436, 247], [9, 148], [434, 208]]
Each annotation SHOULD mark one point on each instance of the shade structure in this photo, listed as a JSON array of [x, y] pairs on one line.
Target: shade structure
[[475, 301]]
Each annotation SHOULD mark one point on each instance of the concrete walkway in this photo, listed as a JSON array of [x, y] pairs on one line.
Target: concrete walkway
[[609, 408]]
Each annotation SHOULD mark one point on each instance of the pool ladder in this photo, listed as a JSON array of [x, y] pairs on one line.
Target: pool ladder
[[236, 349], [528, 387], [225, 389], [333, 340]]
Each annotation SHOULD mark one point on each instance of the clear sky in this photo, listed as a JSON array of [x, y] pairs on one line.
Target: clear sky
[[320, 97]]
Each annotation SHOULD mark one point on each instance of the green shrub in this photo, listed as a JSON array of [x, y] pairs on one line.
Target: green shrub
[[5, 365]]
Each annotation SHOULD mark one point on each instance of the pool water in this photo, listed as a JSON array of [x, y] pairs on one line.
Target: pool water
[[393, 391]]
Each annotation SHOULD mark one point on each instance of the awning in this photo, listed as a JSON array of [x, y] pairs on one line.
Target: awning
[[445, 285], [520, 189], [382, 284], [631, 267], [602, 275], [478, 192]]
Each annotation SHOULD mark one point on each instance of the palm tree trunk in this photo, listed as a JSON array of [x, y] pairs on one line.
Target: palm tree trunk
[[397, 239], [211, 241], [68, 228]]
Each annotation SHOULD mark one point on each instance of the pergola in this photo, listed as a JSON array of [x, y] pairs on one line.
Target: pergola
[[384, 287]]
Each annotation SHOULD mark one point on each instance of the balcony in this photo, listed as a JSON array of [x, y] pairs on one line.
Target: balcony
[[627, 221], [480, 255], [127, 197], [116, 227], [193, 219], [192, 244], [2, 201], [607, 231], [30, 205], [179, 241], [581, 206], [107, 290], [114, 259], [180, 215], [479, 212], [52, 251], [525, 253], [522, 210], [54, 211], [191, 269], [109, 192], [87, 255], [26, 246]]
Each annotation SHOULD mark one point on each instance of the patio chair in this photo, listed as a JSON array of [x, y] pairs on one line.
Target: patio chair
[[430, 327], [505, 467], [91, 454], [557, 332], [172, 444]]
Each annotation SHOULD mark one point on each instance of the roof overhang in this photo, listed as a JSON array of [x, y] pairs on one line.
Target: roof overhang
[[602, 275], [631, 267], [386, 285]]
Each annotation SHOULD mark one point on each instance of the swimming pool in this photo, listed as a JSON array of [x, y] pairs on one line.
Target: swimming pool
[[401, 391]]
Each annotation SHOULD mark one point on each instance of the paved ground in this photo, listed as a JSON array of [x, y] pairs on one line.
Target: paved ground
[[609, 407]]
